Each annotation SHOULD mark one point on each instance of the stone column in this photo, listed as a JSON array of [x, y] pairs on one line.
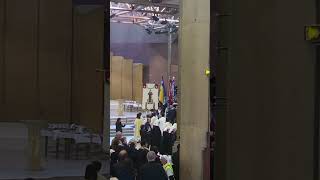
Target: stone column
[[35, 146], [193, 86]]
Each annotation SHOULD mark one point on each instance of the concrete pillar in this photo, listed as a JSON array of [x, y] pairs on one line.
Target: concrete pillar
[[35, 147], [194, 86]]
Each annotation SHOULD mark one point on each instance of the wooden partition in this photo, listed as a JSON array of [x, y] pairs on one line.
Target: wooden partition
[[137, 82], [55, 50], [126, 79], [87, 82], [21, 60], [126, 76], [35, 51], [2, 62], [115, 77], [48, 64]]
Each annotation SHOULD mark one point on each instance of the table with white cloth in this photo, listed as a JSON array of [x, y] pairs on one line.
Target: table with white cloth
[[132, 106], [70, 137]]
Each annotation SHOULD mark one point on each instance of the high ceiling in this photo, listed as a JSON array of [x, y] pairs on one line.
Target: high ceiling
[[156, 18]]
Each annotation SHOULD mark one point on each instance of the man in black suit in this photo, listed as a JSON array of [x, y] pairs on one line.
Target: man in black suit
[[124, 169], [152, 170]]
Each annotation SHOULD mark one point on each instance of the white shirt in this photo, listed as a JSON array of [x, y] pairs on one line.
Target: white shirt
[[153, 119], [162, 123]]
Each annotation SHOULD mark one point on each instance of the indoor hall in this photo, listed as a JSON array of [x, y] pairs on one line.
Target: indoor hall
[[52, 89]]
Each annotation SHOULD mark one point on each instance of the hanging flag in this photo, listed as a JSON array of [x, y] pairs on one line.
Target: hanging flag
[[173, 90], [170, 93], [162, 93]]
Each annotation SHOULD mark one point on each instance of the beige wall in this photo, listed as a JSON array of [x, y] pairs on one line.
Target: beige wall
[[40, 76], [137, 82], [116, 77], [126, 79], [193, 86], [55, 53], [35, 51], [21, 60]]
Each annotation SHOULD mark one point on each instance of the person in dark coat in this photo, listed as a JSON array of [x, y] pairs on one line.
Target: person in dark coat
[[152, 170], [143, 133], [133, 153], [124, 169], [91, 172], [148, 130], [142, 155], [166, 143], [172, 115], [156, 135], [119, 125]]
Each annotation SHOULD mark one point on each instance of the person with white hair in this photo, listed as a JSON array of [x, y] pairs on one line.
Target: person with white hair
[[167, 127], [154, 118], [167, 166], [152, 170], [162, 122]]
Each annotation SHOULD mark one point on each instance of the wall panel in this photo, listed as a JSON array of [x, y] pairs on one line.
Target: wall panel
[[87, 86], [21, 60], [2, 54], [126, 89], [137, 82], [115, 77], [55, 42]]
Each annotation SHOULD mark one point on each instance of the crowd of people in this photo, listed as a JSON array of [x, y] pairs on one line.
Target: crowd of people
[[138, 161], [149, 154]]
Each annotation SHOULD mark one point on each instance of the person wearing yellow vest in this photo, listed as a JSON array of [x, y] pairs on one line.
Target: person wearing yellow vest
[[137, 126], [167, 166]]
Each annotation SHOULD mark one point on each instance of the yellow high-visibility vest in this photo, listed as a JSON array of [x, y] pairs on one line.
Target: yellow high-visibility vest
[[169, 169]]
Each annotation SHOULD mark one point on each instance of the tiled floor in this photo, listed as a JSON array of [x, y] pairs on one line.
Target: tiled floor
[[13, 158]]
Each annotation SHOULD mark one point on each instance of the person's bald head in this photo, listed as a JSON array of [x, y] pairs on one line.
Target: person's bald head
[[151, 156], [123, 155]]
